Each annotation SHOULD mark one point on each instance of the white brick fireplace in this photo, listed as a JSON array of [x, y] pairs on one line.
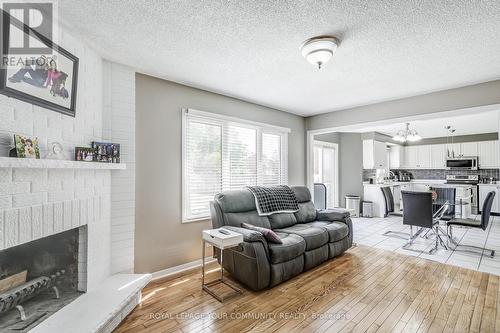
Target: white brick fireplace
[[42, 199]]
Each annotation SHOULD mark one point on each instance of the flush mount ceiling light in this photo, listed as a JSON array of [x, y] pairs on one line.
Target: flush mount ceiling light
[[318, 50], [407, 135]]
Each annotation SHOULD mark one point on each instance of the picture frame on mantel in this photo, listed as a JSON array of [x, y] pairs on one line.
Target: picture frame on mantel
[[47, 78]]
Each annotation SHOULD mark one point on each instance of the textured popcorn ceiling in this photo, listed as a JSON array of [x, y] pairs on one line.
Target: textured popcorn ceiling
[[250, 49]]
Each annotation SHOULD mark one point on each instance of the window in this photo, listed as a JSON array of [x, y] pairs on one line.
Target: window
[[326, 170], [224, 153]]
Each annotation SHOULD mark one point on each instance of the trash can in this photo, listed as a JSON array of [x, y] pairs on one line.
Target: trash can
[[367, 209], [352, 202]]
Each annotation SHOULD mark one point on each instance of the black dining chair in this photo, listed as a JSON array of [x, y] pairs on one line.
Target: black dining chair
[[418, 212], [389, 201], [389, 210], [473, 223]]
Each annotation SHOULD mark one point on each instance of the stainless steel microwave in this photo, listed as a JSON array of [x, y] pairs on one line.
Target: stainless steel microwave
[[462, 163]]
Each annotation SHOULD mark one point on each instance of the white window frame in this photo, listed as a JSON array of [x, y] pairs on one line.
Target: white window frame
[[261, 128], [336, 186]]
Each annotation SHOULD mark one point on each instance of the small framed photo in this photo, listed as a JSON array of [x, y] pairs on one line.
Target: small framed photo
[[85, 154], [107, 152], [26, 146]]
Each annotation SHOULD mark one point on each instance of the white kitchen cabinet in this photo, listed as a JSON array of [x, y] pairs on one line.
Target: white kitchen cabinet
[[484, 189], [453, 150], [411, 157], [468, 149], [403, 187], [374, 154], [438, 156], [488, 154], [434, 156], [396, 157], [417, 157], [424, 156]]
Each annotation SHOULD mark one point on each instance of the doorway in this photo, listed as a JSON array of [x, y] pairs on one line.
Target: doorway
[[325, 160]]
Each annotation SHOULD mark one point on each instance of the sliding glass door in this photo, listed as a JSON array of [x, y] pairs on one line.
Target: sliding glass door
[[326, 170]]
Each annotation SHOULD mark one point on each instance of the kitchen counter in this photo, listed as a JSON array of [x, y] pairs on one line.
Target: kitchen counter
[[440, 182], [373, 193]]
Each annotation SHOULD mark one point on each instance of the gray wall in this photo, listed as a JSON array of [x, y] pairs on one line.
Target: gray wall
[[379, 137], [333, 137], [350, 162], [161, 241], [447, 100]]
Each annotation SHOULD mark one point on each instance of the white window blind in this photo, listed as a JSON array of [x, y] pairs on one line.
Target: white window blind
[[222, 153]]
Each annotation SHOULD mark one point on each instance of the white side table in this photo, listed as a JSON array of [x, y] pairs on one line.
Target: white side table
[[221, 241]]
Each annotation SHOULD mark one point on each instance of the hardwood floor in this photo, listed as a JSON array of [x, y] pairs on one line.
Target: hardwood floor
[[365, 290]]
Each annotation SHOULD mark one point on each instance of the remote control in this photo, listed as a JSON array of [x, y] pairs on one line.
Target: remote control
[[225, 232]]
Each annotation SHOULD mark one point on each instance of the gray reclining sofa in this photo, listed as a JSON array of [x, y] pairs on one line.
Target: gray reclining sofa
[[309, 238]]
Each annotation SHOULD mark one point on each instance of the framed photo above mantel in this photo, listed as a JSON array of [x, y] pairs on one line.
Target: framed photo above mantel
[[44, 78]]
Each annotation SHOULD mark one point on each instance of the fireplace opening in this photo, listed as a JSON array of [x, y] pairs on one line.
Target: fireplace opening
[[37, 279]]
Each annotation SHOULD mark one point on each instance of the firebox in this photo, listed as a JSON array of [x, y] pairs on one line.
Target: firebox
[[37, 279]]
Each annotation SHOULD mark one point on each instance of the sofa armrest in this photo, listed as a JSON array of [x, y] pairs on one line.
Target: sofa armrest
[[248, 235], [333, 214], [254, 246]]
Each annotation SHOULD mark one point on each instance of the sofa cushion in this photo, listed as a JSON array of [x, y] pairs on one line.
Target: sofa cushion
[[292, 246], [236, 201], [286, 270], [302, 193], [282, 220], [333, 214], [306, 213], [314, 237], [336, 230], [236, 219]]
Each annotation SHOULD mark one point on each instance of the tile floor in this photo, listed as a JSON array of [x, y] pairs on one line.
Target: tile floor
[[369, 231]]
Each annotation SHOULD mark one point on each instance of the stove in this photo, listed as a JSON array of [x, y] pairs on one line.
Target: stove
[[462, 179], [472, 180]]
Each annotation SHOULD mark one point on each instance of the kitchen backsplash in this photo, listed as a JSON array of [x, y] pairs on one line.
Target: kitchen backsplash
[[439, 173]]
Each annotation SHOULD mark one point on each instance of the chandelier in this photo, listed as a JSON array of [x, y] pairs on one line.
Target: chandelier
[[407, 135]]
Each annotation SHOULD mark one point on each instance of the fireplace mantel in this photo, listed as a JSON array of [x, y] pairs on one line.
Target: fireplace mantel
[[29, 163]]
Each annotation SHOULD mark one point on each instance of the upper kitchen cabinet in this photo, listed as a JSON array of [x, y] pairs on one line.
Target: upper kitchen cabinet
[[438, 156], [424, 156], [468, 149], [462, 149], [396, 157], [417, 157], [453, 150], [411, 157], [488, 154], [374, 154]]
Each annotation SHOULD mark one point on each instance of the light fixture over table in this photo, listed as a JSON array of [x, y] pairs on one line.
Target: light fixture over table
[[319, 50], [407, 135]]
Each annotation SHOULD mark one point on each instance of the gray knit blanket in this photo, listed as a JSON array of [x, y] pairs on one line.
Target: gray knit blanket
[[274, 199]]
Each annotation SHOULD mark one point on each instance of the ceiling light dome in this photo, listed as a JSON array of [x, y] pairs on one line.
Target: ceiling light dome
[[319, 50]]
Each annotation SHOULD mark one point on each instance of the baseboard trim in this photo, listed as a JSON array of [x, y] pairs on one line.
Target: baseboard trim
[[181, 268]]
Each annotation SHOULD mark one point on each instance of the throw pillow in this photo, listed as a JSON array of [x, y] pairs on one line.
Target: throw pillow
[[269, 235]]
